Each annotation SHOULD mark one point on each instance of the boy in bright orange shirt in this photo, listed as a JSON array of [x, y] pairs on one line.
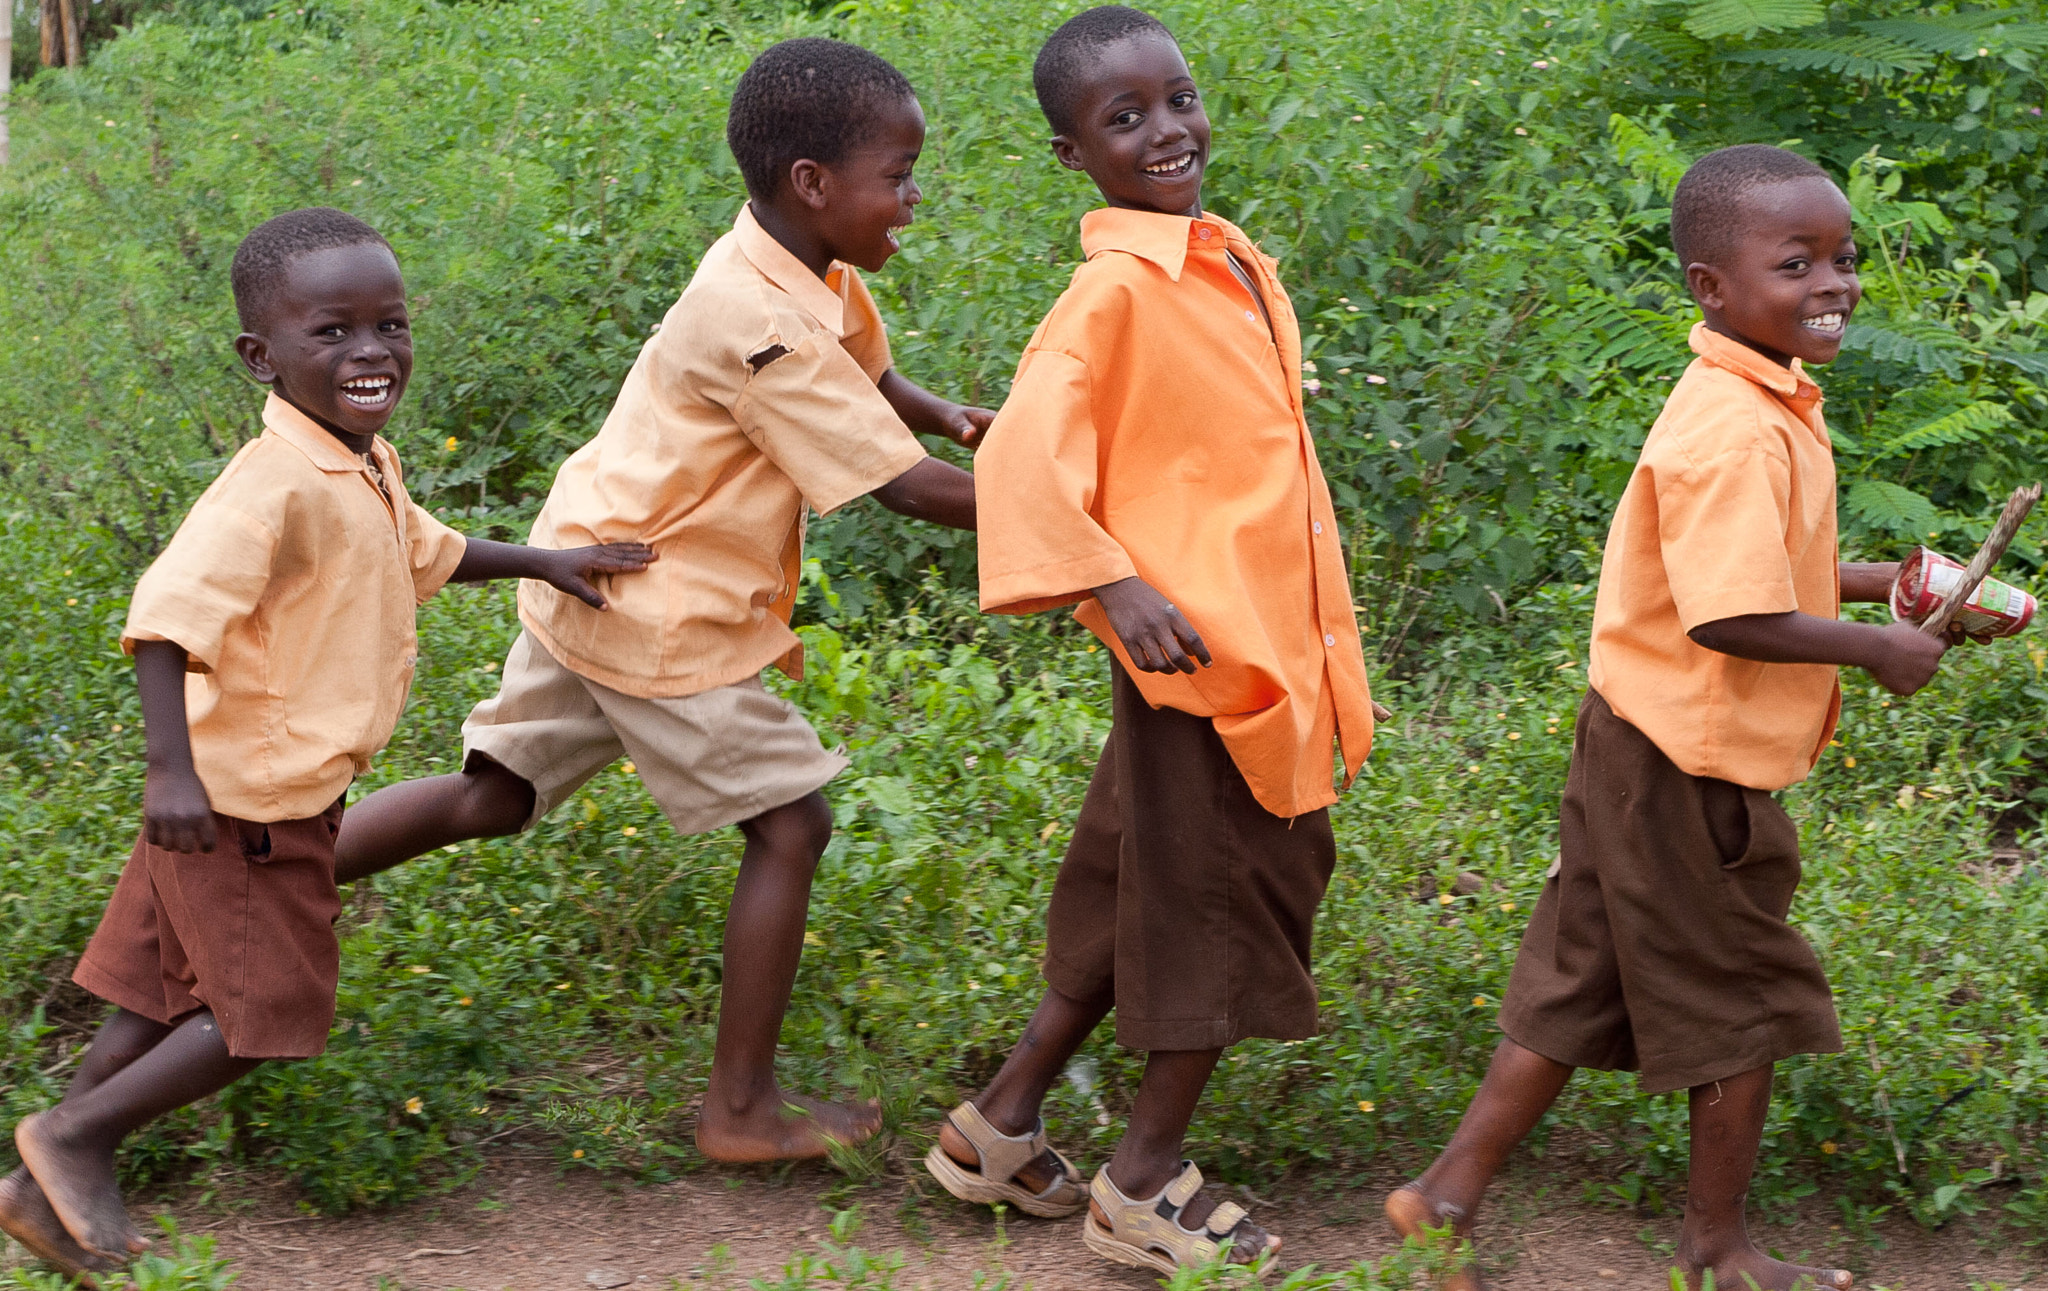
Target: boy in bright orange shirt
[[1153, 464]]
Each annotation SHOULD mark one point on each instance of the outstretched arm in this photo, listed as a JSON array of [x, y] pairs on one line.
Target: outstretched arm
[[176, 813], [931, 490], [568, 570], [928, 414], [1899, 656]]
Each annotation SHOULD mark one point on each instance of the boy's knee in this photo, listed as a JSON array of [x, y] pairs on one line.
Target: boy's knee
[[495, 801], [797, 829]]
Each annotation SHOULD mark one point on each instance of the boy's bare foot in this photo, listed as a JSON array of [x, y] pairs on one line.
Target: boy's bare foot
[[1750, 1267], [78, 1182], [783, 1127], [25, 1215], [1036, 1175], [1411, 1210]]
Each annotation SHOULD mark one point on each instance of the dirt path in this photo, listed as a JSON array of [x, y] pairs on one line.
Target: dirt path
[[521, 1227]]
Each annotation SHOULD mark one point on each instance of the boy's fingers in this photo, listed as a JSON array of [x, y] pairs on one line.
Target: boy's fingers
[[584, 592]]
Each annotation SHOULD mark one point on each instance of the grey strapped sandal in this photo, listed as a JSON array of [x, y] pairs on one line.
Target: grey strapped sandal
[[1002, 1156], [1147, 1233]]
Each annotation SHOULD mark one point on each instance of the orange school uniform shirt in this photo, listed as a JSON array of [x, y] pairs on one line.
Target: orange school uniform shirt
[[712, 462], [292, 585], [1155, 428], [1730, 511]]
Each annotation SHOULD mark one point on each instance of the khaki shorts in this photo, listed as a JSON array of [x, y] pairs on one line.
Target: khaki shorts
[[710, 760]]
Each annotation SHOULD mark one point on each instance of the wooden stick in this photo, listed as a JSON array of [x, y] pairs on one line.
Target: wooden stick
[[1381, 713], [2009, 521]]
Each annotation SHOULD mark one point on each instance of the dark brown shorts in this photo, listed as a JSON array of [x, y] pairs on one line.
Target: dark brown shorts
[[1660, 941], [246, 930], [1182, 901]]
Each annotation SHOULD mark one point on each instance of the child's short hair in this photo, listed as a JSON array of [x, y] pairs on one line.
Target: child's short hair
[[260, 260], [1071, 50], [806, 98], [1706, 209]]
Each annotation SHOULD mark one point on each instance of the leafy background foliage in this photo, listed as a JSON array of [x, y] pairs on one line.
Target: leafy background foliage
[[1468, 198]]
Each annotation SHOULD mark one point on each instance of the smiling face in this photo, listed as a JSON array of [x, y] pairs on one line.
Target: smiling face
[[1787, 285], [865, 199], [1140, 131], [335, 340]]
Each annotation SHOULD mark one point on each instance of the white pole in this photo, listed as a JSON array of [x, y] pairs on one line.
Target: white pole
[[6, 73]]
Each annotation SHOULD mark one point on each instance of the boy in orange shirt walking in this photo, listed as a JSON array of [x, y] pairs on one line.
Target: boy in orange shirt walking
[[768, 392], [274, 647], [1153, 464], [1660, 943]]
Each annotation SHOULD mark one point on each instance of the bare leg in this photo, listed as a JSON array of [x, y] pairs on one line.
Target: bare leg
[[1727, 1123], [746, 1115], [25, 1213], [70, 1148], [1520, 1086], [1148, 1158], [1056, 1032], [402, 821]]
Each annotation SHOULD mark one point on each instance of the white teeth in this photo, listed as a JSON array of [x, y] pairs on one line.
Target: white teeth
[[367, 392], [1824, 322], [1174, 167]]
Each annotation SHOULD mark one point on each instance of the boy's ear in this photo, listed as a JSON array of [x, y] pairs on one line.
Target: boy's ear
[[255, 355], [1067, 152], [1704, 280], [810, 182]]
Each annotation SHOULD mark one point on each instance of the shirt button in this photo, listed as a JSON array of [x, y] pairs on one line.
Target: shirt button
[[1202, 234], [1329, 640], [1251, 316], [1318, 526]]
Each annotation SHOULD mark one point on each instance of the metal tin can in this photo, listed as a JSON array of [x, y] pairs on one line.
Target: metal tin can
[[1926, 578]]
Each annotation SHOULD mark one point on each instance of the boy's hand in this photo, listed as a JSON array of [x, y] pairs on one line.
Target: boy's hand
[[1905, 658], [1157, 636], [965, 424], [572, 569], [176, 813]]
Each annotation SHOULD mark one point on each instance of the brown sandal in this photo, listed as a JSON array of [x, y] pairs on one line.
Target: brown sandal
[[1146, 1232]]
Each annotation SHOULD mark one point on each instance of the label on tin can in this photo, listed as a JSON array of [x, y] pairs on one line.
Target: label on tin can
[[1926, 578]]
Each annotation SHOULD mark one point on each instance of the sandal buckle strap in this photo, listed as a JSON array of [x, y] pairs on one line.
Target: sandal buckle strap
[[1183, 1189], [1225, 1218]]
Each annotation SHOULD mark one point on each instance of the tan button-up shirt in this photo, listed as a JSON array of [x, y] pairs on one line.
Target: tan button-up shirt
[[1731, 511], [711, 461], [1156, 428], [292, 585]]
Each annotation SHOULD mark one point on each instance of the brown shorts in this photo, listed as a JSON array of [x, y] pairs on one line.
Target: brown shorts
[[1182, 901], [1660, 941], [246, 930]]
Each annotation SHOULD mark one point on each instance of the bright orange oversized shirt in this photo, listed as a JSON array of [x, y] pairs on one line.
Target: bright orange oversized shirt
[[292, 585], [1155, 428], [1730, 511], [712, 461]]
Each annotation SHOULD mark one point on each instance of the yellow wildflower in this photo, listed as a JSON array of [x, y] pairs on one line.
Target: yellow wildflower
[[419, 968], [1365, 1104], [577, 1154], [1849, 762], [1445, 899], [628, 768], [465, 1001], [1830, 1147], [1507, 907], [450, 446], [1479, 1001], [629, 831], [413, 1107]]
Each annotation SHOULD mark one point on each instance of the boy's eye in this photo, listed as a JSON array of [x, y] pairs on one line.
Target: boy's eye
[[1184, 99], [1797, 265], [1127, 117]]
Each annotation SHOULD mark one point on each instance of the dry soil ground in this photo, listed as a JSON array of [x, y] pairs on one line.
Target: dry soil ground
[[524, 1227]]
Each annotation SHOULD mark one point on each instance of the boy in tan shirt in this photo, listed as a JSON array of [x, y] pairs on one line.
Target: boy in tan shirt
[[274, 646], [767, 391], [1660, 943]]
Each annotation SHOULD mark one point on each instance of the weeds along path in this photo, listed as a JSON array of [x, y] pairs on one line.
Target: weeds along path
[[524, 1227]]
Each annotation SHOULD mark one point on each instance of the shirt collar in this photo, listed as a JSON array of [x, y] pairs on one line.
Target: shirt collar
[[309, 436], [826, 303], [1732, 355], [1151, 235]]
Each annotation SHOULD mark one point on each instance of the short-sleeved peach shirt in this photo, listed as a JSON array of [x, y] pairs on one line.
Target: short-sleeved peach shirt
[[711, 461], [1730, 511], [292, 585], [1156, 428]]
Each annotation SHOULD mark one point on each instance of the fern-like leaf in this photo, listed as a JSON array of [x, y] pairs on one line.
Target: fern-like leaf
[[1672, 47], [1926, 347], [1965, 425], [1717, 19], [1862, 57], [1891, 506], [2034, 365], [1650, 154], [1958, 35]]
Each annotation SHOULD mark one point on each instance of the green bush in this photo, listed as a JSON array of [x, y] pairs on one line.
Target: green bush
[[1467, 202]]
